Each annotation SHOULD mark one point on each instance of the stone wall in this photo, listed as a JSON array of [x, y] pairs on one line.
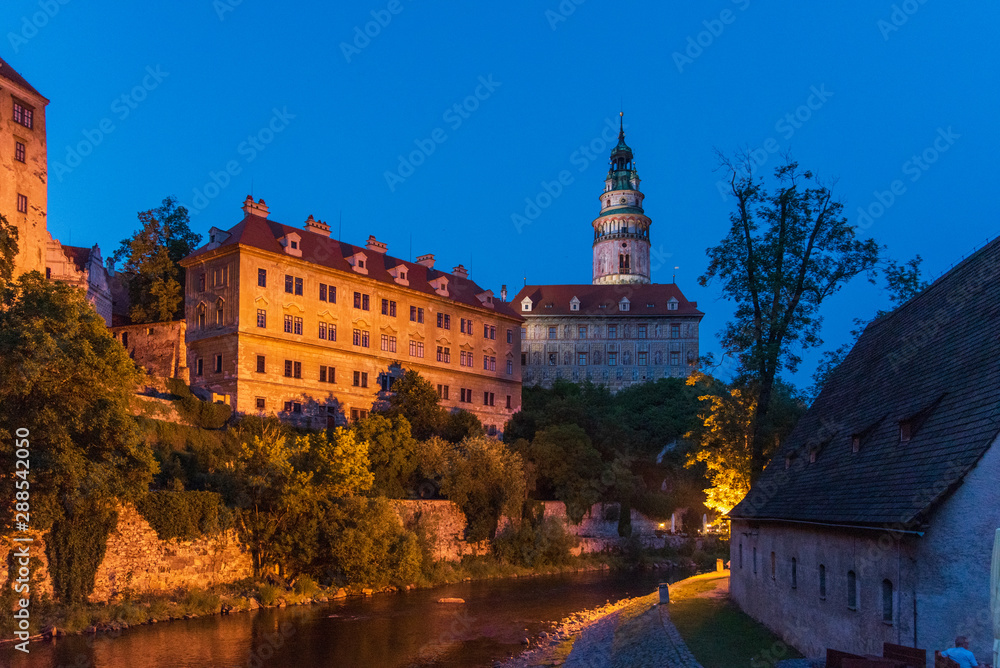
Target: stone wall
[[445, 522], [138, 561], [158, 347]]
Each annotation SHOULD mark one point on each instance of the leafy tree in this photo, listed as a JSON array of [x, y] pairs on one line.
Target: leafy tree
[[568, 468], [460, 425], [787, 250], [415, 399], [8, 251], [486, 480], [903, 282], [392, 452], [151, 255]]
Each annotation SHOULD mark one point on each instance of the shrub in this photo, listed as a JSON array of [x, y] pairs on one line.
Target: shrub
[[75, 548], [184, 515], [268, 594], [306, 586], [534, 544], [204, 414]]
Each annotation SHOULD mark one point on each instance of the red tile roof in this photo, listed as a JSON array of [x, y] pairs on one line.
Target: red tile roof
[[262, 233], [644, 300], [10, 74], [79, 256]]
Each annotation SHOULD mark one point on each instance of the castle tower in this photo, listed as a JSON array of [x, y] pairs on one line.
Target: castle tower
[[621, 231], [23, 167]]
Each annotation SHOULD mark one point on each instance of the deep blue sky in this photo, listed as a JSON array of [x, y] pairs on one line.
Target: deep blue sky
[[888, 88]]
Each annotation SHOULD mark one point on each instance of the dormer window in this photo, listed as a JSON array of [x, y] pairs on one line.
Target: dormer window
[[856, 443], [295, 245], [526, 304], [292, 243], [398, 274], [358, 262], [574, 304], [672, 304], [440, 285], [623, 305]]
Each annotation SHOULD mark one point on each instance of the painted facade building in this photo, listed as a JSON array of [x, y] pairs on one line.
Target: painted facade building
[[875, 520], [288, 321], [621, 329], [83, 268]]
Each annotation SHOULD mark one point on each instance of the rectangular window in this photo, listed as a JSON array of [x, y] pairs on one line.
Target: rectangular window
[[464, 358], [360, 338], [488, 398], [24, 115], [289, 284], [201, 282], [389, 308], [675, 331], [462, 395], [612, 331], [19, 151], [360, 379], [200, 366], [327, 374], [510, 367], [887, 601], [416, 349], [260, 364], [261, 403], [510, 336], [642, 358], [262, 278], [416, 314], [362, 301], [553, 359], [553, 332], [508, 402], [444, 321], [298, 369], [675, 358], [852, 590], [493, 332], [388, 343], [261, 317], [22, 203], [582, 331], [524, 333], [443, 354], [298, 325], [288, 324], [443, 391], [640, 332], [493, 363], [288, 368], [298, 286], [581, 359], [322, 330], [322, 292], [327, 293], [218, 364], [822, 581], [612, 359], [524, 359]]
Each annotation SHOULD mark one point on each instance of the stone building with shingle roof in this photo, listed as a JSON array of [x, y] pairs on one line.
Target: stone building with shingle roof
[[874, 522]]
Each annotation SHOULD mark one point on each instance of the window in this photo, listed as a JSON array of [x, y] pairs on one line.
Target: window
[[289, 284], [465, 396], [360, 338], [261, 403], [201, 316], [822, 582], [388, 343], [887, 601], [675, 357], [489, 332], [19, 151], [327, 293], [465, 326], [623, 305], [322, 330], [489, 363], [524, 333], [199, 365], [358, 414], [488, 398], [612, 331], [795, 573], [262, 278], [510, 336], [293, 407], [640, 332], [298, 325], [672, 305], [125, 339], [855, 443], [288, 324], [612, 359], [582, 331], [260, 364], [416, 348], [443, 391], [218, 364], [416, 314], [581, 359], [553, 332], [360, 379], [510, 367], [444, 321], [443, 354], [219, 313], [261, 317], [327, 374], [290, 368], [298, 286], [464, 358], [774, 566], [492, 430], [524, 359], [362, 301], [24, 115], [905, 429], [201, 282], [642, 358], [389, 308], [675, 331], [553, 359], [22, 203], [852, 590], [508, 402]]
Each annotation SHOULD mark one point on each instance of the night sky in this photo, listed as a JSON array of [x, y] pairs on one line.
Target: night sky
[[206, 100]]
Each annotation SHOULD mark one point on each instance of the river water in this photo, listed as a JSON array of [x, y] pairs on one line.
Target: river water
[[402, 630]]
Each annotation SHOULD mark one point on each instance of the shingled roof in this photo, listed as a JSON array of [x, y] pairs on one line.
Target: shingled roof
[[932, 366], [262, 233], [603, 300]]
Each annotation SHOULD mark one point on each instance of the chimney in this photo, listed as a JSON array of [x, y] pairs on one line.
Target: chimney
[[503, 292], [426, 260], [375, 245], [317, 226], [460, 272], [252, 208]]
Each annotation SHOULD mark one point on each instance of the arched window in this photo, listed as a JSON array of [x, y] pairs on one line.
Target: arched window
[[852, 590], [218, 312], [822, 581], [887, 601], [795, 573], [201, 316]]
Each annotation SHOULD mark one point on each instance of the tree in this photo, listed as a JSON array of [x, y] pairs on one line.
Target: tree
[[392, 452], [8, 251], [415, 399], [485, 480], [155, 279], [568, 467], [461, 425], [787, 250]]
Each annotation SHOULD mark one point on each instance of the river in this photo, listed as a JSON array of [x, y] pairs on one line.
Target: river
[[401, 630]]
